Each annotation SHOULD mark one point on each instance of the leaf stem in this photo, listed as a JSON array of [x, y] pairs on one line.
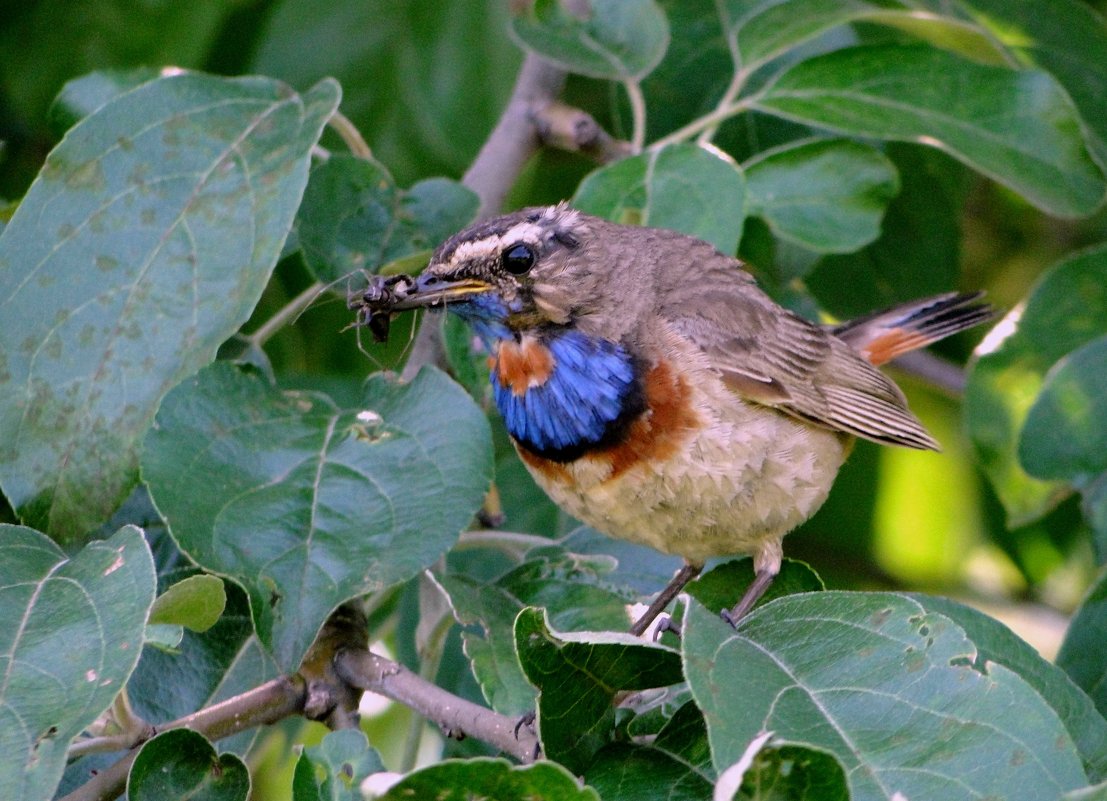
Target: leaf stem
[[713, 118], [737, 83], [638, 114], [341, 125], [288, 312]]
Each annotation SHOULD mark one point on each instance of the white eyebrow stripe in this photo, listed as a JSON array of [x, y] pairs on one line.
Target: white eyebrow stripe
[[471, 250]]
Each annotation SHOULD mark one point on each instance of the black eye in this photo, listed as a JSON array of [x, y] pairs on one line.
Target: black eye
[[518, 259]]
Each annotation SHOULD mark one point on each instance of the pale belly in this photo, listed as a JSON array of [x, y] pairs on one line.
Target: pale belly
[[734, 483]]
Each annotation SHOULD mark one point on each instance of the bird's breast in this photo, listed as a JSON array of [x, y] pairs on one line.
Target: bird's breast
[[564, 393], [695, 471]]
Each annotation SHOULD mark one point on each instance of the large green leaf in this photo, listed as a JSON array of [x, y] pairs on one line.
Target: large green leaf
[[827, 195], [761, 30], [306, 505], [73, 636], [573, 588], [143, 244], [674, 766], [578, 675], [1018, 127], [682, 187], [354, 217], [616, 39], [997, 643], [490, 780], [1066, 309], [181, 763], [888, 688], [1070, 42], [1081, 654], [1064, 436]]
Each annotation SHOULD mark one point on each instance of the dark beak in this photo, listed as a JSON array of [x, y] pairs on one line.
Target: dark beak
[[401, 293]]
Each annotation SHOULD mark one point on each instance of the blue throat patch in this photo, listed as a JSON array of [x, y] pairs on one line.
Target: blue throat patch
[[592, 394]]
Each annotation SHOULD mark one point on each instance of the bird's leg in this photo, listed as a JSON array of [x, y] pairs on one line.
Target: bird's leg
[[686, 573], [761, 581]]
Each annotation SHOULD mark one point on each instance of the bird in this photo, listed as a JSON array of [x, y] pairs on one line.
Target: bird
[[657, 394]]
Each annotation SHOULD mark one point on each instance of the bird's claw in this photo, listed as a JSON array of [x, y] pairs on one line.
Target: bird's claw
[[666, 624], [527, 720]]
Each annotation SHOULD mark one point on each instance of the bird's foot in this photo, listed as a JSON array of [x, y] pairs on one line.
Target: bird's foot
[[666, 624]]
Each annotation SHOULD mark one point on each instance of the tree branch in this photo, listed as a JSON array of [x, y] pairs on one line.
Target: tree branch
[[368, 671], [272, 701]]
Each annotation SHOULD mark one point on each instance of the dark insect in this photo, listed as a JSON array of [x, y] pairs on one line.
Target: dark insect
[[374, 303]]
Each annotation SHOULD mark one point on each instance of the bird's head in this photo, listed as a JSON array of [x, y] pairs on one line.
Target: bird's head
[[529, 269]]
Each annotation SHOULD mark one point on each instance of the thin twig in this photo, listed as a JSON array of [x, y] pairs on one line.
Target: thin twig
[[272, 701], [368, 671], [288, 312], [737, 83]]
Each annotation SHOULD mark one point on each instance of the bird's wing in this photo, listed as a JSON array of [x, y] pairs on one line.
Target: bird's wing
[[771, 356]]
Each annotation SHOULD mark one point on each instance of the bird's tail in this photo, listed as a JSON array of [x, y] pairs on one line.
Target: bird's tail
[[884, 335]]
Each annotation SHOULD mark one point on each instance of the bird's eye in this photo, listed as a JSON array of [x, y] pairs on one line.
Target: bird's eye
[[518, 259]]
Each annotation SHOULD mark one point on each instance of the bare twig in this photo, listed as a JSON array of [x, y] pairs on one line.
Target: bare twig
[[272, 701], [368, 671], [566, 127], [285, 314], [936, 371]]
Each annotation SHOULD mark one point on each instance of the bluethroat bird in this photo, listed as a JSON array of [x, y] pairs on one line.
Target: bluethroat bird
[[657, 394]]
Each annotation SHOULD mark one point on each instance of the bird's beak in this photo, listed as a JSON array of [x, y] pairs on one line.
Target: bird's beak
[[434, 290]]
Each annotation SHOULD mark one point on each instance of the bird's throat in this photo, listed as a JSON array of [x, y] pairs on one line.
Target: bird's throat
[[564, 393]]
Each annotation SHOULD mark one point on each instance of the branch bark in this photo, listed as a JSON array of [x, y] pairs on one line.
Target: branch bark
[[272, 701], [368, 671]]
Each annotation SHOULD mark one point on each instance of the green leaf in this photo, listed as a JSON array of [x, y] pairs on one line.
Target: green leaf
[[676, 765], [571, 587], [82, 96], [1081, 654], [1066, 309], [997, 643], [762, 30], [308, 506], [165, 636], [181, 763], [682, 187], [1070, 42], [884, 686], [626, 772], [354, 217], [1064, 436], [74, 635], [1017, 127], [919, 249], [335, 769], [794, 773], [196, 602], [722, 586], [578, 675], [490, 780], [614, 39], [827, 195], [143, 244]]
